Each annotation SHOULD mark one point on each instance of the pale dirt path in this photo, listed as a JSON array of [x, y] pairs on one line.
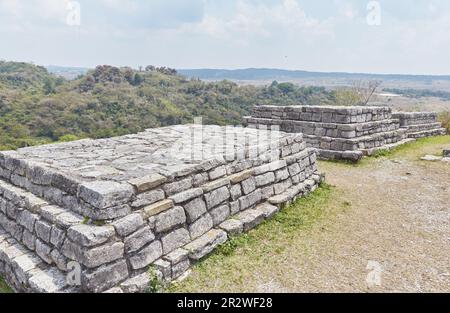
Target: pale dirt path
[[399, 217]]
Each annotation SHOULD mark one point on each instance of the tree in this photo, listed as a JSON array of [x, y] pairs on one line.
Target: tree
[[49, 86], [365, 90]]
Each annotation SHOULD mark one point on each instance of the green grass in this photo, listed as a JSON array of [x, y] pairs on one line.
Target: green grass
[[414, 150], [264, 245], [4, 288]]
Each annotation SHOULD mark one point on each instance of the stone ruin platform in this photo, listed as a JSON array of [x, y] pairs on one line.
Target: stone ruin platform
[[420, 124], [96, 215], [336, 132]]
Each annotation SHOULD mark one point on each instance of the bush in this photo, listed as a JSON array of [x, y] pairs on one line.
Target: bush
[[444, 118]]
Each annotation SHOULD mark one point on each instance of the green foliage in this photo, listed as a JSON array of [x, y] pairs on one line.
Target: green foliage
[[4, 288], [155, 284], [37, 107], [444, 118]]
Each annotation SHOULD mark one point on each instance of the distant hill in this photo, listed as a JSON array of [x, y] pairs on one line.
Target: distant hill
[[311, 78], [17, 75]]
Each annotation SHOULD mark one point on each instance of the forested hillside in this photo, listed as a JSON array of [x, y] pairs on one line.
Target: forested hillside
[[38, 107]]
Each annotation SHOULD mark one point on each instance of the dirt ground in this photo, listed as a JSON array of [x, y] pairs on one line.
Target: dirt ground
[[385, 228]]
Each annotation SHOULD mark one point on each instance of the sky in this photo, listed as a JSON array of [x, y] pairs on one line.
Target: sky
[[385, 36]]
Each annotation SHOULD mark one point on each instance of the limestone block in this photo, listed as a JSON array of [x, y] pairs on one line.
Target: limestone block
[[104, 194], [206, 244], [201, 226], [194, 209], [170, 219], [216, 197], [146, 256], [148, 182], [175, 240], [88, 235], [138, 239], [128, 224]]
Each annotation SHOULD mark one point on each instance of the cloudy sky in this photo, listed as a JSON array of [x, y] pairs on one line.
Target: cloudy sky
[[318, 35]]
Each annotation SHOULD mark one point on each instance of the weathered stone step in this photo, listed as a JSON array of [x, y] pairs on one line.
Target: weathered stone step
[[25, 271], [423, 127], [369, 152], [428, 133]]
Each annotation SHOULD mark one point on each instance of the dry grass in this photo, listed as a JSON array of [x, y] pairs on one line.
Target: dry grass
[[444, 118]]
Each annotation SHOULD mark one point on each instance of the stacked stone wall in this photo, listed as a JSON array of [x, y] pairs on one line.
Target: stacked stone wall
[[116, 209], [420, 124], [337, 132]]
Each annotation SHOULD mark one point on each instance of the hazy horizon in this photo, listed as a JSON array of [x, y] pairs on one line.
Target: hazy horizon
[[351, 36]]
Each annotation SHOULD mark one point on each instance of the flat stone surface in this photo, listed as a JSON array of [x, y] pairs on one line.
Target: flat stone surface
[[141, 159]]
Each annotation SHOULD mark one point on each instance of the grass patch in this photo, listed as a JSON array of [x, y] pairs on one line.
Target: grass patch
[[262, 246], [4, 288], [417, 149]]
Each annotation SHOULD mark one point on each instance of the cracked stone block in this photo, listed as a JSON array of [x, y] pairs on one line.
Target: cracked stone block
[[248, 185], [177, 256], [49, 281], [216, 197], [218, 172], [89, 236], [267, 209], [138, 239], [136, 284], [186, 195], [170, 219], [57, 237], [232, 227], [105, 277], [104, 194], [149, 182], [250, 199], [148, 198], [220, 214], [201, 226], [250, 218], [180, 268], [146, 256], [44, 251], [164, 267], [216, 184], [129, 224], [27, 220], [68, 219], [43, 230], [50, 213], [175, 240], [265, 179], [194, 209], [157, 208], [206, 244], [239, 177], [178, 186]]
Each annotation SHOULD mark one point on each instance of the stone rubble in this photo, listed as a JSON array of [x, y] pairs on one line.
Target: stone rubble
[[161, 199]]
